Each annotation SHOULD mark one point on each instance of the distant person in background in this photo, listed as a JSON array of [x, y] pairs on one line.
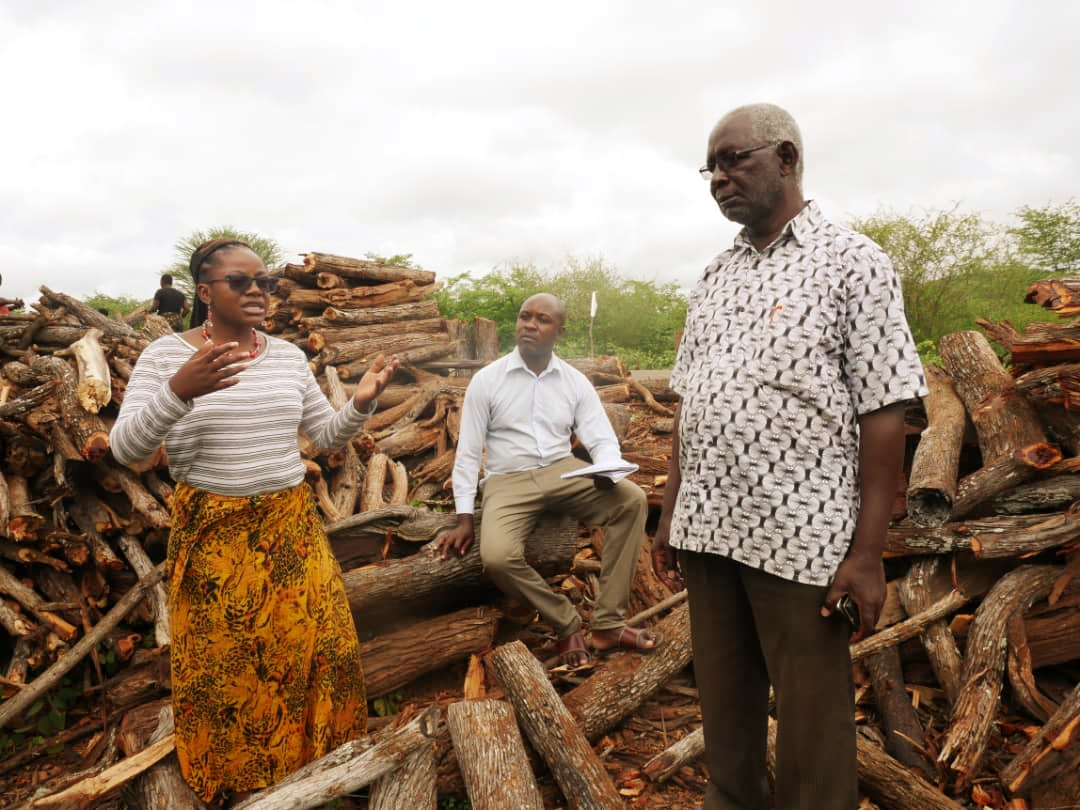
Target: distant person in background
[[8, 304], [170, 303]]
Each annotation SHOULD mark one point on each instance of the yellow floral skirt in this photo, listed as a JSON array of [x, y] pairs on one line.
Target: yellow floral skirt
[[266, 673]]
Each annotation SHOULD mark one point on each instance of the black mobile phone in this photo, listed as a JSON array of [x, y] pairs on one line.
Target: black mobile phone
[[849, 610]]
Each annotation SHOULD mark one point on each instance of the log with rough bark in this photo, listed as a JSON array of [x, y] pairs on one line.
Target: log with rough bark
[[998, 536], [975, 708], [492, 756], [380, 295], [905, 739], [319, 339], [336, 318], [1055, 393], [918, 589], [423, 582], [87, 315], [1060, 295], [348, 767], [419, 355], [21, 520], [87, 430], [363, 350], [622, 685], [412, 440], [161, 785], [16, 705], [1004, 420], [1004, 474], [551, 729], [1048, 495], [378, 468], [933, 477], [395, 659], [1041, 344], [344, 490], [1051, 753], [94, 388], [412, 785], [364, 269]]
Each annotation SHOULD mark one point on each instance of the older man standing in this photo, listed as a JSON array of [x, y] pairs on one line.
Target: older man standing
[[793, 369], [522, 409]]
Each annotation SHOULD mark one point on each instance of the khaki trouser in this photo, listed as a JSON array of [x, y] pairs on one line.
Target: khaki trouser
[[750, 629], [513, 502]]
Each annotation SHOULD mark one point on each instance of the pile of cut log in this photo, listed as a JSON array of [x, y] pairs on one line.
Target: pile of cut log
[[968, 692]]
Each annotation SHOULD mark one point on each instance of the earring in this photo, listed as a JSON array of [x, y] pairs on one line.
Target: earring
[[207, 324]]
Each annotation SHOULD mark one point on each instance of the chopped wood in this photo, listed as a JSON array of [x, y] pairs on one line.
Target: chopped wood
[[411, 785], [492, 757], [348, 767], [932, 481], [1050, 752], [551, 729], [94, 388], [363, 269]]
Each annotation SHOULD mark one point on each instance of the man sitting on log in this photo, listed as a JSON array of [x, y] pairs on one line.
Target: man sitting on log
[[523, 409]]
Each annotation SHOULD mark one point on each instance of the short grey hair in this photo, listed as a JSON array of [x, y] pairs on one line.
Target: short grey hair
[[769, 122]]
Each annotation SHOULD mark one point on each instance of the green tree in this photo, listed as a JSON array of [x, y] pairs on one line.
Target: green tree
[[1048, 238], [939, 256], [114, 305], [635, 320], [269, 251]]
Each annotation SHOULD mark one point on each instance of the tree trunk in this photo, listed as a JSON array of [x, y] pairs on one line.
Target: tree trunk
[[904, 735], [933, 478], [992, 480], [1003, 419], [423, 582], [347, 768], [492, 757], [975, 708], [412, 785], [616, 690], [395, 659], [551, 729], [364, 269], [917, 595]]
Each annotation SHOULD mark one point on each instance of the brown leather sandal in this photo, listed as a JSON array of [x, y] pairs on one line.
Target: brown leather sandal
[[631, 638], [573, 651]]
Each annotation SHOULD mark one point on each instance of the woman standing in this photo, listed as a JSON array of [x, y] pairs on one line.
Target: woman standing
[[265, 660]]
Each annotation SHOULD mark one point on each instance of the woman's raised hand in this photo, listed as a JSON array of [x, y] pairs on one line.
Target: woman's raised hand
[[374, 381], [211, 368]]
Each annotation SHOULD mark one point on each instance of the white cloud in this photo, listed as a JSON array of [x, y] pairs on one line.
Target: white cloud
[[476, 133]]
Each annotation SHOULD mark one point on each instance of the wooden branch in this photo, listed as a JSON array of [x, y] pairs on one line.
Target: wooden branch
[[94, 388], [363, 269], [551, 729], [86, 792], [916, 595], [909, 628], [975, 708], [1051, 752], [142, 565], [650, 401], [492, 756], [87, 314], [344, 492], [348, 767], [933, 478], [398, 658], [22, 520], [25, 596], [628, 679], [409, 311], [13, 707], [905, 739], [411, 785], [1003, 419], [992, 480]]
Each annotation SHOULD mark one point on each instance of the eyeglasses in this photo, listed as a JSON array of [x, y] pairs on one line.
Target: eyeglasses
[[242, 283], [728, 160]]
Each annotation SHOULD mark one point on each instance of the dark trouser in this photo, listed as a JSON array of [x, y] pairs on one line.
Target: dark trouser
[[751, 629]]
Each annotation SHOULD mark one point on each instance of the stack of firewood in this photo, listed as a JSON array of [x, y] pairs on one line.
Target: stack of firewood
[[968, 691]]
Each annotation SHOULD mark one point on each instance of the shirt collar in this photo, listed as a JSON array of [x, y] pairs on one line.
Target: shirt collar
[[517, 361], [800, 226]]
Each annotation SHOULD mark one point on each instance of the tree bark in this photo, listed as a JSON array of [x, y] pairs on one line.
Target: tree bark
[[917, 592], [933, 478], [94, 388], [1051, 753], [364, 269], [492, 756], [992, 480], [973, 713], [551, 729], [347, 768], [422, 582], [1003, 419], [904, 735], [395, 659], [412, 785]]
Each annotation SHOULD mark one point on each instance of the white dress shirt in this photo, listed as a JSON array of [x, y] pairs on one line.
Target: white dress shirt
[[525, 421]]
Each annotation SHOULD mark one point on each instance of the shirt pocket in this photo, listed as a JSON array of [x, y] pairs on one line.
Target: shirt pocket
[[790, 352]]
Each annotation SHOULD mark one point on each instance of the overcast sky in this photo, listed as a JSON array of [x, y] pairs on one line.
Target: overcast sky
[[473, 134]]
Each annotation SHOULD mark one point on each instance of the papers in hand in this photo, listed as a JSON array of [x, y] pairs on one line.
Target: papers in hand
[[615, 470]]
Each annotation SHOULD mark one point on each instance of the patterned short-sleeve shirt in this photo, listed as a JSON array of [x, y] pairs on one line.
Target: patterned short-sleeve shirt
[[783, 349]]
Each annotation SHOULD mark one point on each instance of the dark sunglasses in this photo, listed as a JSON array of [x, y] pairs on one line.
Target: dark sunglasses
[[242, 283]]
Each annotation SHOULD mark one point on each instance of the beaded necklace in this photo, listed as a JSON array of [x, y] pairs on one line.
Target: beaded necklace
[[207, 326]]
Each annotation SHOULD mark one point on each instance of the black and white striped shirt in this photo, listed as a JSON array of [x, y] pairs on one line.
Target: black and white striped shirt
[[238, 441]]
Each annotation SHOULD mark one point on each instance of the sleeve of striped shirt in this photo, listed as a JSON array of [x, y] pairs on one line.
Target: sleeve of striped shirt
[[148, 413], [326, 427]]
